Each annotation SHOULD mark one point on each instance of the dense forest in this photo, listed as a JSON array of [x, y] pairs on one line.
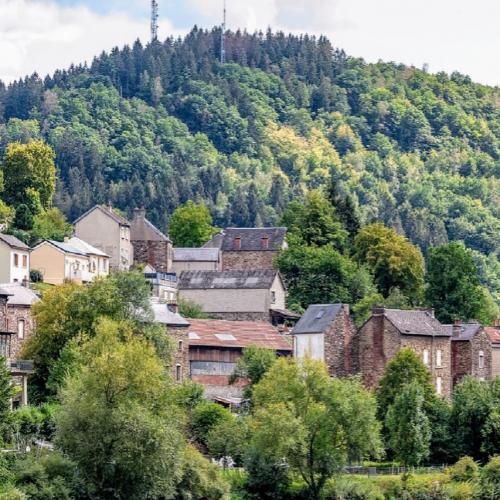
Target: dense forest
[[160, 124]]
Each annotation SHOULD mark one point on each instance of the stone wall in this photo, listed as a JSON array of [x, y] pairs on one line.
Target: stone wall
[[180, 339], [14, 315], [337, 344], [242, 259], [155, 253], [461, 357], [481, 342]]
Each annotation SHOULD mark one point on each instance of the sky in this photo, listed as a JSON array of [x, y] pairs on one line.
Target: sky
[[447, 35]]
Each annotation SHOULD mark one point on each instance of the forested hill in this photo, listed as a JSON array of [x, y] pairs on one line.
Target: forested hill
[[161, 124]]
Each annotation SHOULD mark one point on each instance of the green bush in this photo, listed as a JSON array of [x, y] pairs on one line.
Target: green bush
[[205, 417], [460, 491], [353, 488], [466, 469], [488, 487]]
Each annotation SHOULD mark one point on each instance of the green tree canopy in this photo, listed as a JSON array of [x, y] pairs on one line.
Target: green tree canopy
[[191, 225]]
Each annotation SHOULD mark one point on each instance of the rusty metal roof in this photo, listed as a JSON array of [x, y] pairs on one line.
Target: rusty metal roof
[[236, 334], [494, 334]]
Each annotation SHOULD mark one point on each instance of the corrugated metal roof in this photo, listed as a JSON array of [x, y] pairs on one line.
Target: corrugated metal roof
[[317, 318], [196, 254], [85, 247], [231, 279], [12, 241], [163, 315], [251, 237], [19, 295], [236, 334], [416, 322]]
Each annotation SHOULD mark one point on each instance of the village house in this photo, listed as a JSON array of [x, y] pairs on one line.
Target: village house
[[471, 352], [177, 329], [196, 259], [241, 295], [14, 260], [493, 333], [325, 332], [163, 285], [16, 326], [389, 330], [151, 246], [215, 347], [108, 231], [248, 247], [61, 262], [98, 265]]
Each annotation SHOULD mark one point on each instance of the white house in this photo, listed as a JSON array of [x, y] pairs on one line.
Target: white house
[[14, 260]]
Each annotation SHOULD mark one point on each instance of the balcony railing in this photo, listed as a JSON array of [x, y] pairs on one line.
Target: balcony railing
[[170, 277], [21, 366]]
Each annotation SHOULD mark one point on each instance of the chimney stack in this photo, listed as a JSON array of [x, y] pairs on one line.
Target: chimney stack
[[457, 328], [237, 243], [264, 243], [139, 213], [378, 311]]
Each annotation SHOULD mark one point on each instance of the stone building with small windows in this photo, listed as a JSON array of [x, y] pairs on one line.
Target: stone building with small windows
[[325, 333], [389, 330], [493, 333], [471, 351]]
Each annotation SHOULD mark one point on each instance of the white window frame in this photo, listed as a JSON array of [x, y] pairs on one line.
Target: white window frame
[[425, 357], [21, 329], [439, 358], [481, 359], [439, 385]]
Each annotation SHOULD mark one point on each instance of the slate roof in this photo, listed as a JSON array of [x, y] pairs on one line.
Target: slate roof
[[18, 295], [494, 335], [467, 331], [236, 334], [165, 316], [83, 246], [13, 242], [416, 322], [251, 238], [64, 247], [109, 212], [231, 279], [317, 318], [141, 229], [196, 254]]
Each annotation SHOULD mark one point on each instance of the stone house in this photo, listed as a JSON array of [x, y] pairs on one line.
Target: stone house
[[251, 248], [470, 351], [325, 332], [493, 333], [215, 347], [108, 231], [60, 262], [389, 330], [177, 329], [196, 259], [151, 246], [241, 295], [16, 326], [14, 260]]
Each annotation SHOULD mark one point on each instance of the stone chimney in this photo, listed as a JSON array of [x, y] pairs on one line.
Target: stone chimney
[[264, 243], [456, 329], [378, 311], [139, 213], [237, 243]]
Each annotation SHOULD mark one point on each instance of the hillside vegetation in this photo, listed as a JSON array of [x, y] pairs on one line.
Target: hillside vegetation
[[162, 124]]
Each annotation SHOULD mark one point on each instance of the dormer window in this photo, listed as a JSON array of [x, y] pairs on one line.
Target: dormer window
[[264, 243], [237, 243]]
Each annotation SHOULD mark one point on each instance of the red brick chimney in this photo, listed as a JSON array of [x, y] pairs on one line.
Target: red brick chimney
[[264, 243], [457, 328], [237, 243]]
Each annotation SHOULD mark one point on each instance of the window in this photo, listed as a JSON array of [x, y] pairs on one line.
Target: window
[[426, 357], [25, 261], [439, 356], [273, 297], [179, 345], [16, 260], [20, 329], [481, 359], [178, 373], [439, 385]]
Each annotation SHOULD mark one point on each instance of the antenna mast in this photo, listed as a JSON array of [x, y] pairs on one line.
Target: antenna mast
[[223, 37], [154, 20]]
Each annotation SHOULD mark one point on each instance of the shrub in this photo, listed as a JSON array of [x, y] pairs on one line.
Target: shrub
[[205, 417], [36, 276], [489, 481], [350, 488], [466, 469], [460, 491]]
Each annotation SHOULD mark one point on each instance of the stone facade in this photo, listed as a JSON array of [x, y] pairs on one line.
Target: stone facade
[[378, 341], [180, 339], [248, 260], [158, 254], [242, 316], [472, 357]]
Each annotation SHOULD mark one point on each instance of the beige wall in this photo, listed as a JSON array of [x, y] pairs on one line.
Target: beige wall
[[310, 345], [5, 261], [50, 262], [179, 266], [495, 361], [279, 295], [102, 232]]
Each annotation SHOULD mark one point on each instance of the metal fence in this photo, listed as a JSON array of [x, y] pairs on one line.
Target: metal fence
[[392, 470]]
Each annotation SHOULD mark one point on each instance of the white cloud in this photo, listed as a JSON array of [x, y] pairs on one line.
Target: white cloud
[[42, 36]]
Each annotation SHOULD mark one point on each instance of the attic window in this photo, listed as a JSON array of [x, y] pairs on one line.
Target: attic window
[[225, 336], [320, 314], [193, 336]]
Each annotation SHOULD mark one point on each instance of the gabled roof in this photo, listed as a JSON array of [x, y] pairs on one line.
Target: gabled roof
[[62, 247], [231, 279], [13, 242], [494, 335], [196, 254], [467, 331], [107, 211], [85, 247], [162, 314], [19, 295], [416, 322], [235, 334], [141, 229], [317, 318], [251, 238]]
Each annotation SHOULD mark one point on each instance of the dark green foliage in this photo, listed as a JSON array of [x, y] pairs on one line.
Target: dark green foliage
[[36, 276], [453, 283], [205, 417], [24, 218], [190, 309], [6, 392], [489, 482]]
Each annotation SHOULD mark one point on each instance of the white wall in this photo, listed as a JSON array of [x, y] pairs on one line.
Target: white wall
[[310, 345]]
